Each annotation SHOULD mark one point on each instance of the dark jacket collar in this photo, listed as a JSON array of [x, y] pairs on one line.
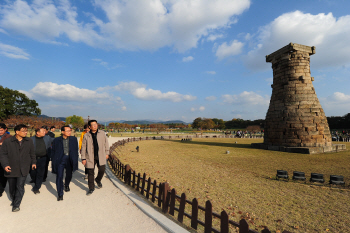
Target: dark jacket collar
[[15, 139]]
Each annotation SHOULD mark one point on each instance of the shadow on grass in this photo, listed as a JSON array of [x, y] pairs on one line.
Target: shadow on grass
[[234, 145]]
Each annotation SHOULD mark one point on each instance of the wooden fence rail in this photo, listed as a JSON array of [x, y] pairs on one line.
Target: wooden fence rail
[[168, 200]]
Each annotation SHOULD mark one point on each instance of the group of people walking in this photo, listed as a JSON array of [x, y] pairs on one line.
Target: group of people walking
[[20, 156]]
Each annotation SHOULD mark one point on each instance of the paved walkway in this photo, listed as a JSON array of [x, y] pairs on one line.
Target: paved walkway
[[106, 210]]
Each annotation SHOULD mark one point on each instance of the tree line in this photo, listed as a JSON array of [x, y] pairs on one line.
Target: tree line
[[215, 123]]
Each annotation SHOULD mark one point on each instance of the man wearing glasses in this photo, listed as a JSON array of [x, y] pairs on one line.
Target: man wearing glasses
[[17, 157], [64, 155]]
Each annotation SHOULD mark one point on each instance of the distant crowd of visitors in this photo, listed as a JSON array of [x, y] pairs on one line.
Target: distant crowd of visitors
[[21, 155]]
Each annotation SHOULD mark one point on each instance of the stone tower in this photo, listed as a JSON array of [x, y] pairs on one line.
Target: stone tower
[[295, 121]]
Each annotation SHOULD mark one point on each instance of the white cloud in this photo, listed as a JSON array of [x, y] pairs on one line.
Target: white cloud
[[340, 97], [214, 37], [131, 25], [200, 109], [321, 30], [211, 72], [246, 98], [44, 21], [123, 108], [338, 104], [13, 52], [187, 59], [225, 50], [106, 64], [210, 98], [3, 31], [141, 92], [67, 93], [248, 105]]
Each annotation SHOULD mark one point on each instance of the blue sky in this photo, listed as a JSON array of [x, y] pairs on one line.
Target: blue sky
[[168, 59]]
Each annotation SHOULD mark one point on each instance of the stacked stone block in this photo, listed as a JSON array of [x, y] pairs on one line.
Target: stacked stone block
[[295, 117]]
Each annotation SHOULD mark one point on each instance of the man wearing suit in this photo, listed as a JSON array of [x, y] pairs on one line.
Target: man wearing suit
[[42, 147], [16, 157], [3, 136], [64, 155], [94, 150]]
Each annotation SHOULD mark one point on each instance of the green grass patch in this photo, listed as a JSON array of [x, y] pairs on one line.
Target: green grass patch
[[242, 182]]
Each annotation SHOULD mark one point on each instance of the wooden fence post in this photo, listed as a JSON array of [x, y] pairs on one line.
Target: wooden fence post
[[138, 182], [148, 187], [194, 220], [243, 226], [180, 217], [143, 184], [160, 191], [154, 191], [224, 222], [172, 202], [127, 174], [133, 179], [165, 197], [208, 217]]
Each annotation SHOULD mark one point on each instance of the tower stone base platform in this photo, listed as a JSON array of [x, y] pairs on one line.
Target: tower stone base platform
[[301, 150]]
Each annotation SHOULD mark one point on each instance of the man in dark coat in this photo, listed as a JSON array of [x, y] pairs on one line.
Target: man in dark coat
[[16, 157], [64, 155], [3, 136], [48, 135], [42, 148]]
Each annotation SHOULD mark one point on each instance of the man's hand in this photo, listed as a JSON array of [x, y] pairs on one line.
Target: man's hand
[[34, 166], [0, 143], [83, 162], [107, 156], [8, 169]]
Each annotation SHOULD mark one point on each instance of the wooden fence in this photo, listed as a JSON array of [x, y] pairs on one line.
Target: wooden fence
[[168, 200]]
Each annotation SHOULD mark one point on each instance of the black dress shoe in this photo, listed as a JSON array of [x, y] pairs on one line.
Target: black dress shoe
[[99, 184], [90, 192], [60, 198], [15, 209], [0, 194], [44, 180], [31, 181], [66, 188], [36, 191]]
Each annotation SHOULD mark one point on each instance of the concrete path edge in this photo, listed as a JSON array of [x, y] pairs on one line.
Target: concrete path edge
[[145, 207]]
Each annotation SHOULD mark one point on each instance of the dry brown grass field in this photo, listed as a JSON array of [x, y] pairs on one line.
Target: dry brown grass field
[[242, 182]]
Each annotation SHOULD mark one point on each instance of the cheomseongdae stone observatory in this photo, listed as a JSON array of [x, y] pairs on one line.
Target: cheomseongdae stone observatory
[[295, 121]]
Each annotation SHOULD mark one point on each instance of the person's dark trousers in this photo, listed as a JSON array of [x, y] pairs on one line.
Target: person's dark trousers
[[46, 168], [101, 172], [86, 171], [3, 180], [59, 177], [16, 189], [37, 174]]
